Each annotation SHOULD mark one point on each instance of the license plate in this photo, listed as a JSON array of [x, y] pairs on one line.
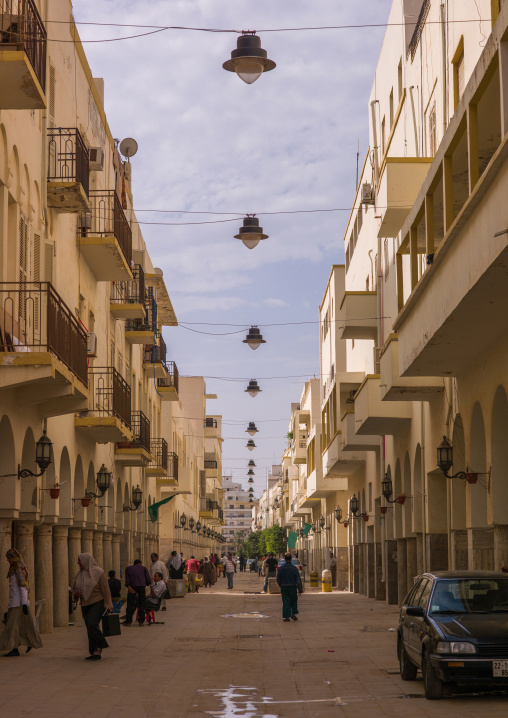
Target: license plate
[[500, 669]]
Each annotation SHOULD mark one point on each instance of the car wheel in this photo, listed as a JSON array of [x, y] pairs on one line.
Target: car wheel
[[408, 670], [432, 684]]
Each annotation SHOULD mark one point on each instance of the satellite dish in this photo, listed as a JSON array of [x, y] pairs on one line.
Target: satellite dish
[[128, 147]]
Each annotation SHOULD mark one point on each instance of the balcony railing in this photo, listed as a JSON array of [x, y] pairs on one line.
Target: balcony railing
[[34, 318], [156, 353], [163, 459], [130, 292], [68, 157], [140, 430], [21, 28], [210, 423], [149, 322], [205, 504], [110, 395], [171, 379], [107, 218], [210, 464]]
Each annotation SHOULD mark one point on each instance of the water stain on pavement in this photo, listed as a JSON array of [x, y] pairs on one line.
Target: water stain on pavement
[[244, 615]]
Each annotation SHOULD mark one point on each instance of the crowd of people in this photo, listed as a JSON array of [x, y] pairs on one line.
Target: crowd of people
[[100, 595]]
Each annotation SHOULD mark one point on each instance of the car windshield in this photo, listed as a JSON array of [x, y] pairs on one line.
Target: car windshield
[[471, 595]]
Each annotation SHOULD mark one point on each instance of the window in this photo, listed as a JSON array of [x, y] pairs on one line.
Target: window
[[423, 598], [432, 131], [383, 136], [391, 109], [458, 73], [400, 79]]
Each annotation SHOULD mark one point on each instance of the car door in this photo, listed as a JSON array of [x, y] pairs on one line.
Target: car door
[[417, 626], [407, 620]]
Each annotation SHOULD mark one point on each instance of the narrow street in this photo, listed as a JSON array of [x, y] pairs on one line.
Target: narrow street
[[338, 659]]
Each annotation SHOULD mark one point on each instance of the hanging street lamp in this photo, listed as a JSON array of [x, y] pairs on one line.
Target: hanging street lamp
[[251, 480], [251, 233], [252, 428], [254, 338], [251, 445], [249, 60], [137, 500], [250, 472], [253, 388], [251, 463]]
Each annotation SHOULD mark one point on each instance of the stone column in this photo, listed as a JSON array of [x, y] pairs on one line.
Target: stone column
[[402, 569], [87, 541], [60, 576], [98, 549], [108, 552], [73, 551], [116, 554], [44, 575], [5, 545], [392, 582], [24, 542], [500, 546], [380, 583], [371, 571], [411, 561], [147, 550]]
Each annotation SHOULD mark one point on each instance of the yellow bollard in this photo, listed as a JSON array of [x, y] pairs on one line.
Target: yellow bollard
[[313, 579], [326, 581]]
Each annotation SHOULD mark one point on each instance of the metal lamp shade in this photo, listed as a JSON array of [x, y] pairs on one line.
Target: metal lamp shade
[[183, 520], [445, 455], [103, 479], [252, 429], [137, 497], [338, 514], [251, 463], [251, 445], [251, 481], [354, 505], [191, 523], [254, 338], [250, 472], [386, 487], [249, 60], [253, 388], [198, 526], [250, 232]]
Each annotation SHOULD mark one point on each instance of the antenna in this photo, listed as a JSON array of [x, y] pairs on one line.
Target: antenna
[[128, 147]]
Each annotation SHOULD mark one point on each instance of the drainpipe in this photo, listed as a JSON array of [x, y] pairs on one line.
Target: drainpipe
[[374, 133]]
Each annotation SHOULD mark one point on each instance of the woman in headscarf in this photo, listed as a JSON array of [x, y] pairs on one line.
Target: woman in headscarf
[[208, 571], [213, 561], [92, 588], [175, 565], [20, 629]]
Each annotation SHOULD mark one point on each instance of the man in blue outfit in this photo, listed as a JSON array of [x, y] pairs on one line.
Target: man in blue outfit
[[290, 582]]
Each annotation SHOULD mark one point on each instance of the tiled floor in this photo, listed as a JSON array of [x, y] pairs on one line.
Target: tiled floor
[[337, 660]]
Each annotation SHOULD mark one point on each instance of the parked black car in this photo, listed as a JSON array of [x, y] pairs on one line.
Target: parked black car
[[454, 626]]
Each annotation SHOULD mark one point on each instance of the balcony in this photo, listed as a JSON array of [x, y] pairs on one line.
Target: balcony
[[154, 358], [167, 388], [400, 181], [358, 315], [205, 508], [376, 417], [337, 463], [23, 45], [68, 171], [136, 451], [163, 464], [351, 443], [211, 428], [143, 331], [43, 350], [105, 238], [108, 418], [396, 388], [127, 299], [319, 488], [170, 478]]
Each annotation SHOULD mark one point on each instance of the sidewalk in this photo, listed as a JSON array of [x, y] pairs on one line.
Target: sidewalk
[[339, 659]]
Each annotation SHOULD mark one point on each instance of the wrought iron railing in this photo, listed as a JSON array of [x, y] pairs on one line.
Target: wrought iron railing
[[68, 157], [21, 28], [149, 321], [140, 430], [34, 318], [205, 504], [155, 353], [159, 452], [171, 378], [210, 423], [210, 464], [130, 292], [106, 217], [110, 395]]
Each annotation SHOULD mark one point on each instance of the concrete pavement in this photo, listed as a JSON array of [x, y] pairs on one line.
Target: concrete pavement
[[339, 659]]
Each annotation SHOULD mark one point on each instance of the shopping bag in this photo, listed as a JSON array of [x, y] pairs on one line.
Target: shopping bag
[[111, 624]]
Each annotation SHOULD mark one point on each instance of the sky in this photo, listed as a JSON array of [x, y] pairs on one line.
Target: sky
[[208, 142]]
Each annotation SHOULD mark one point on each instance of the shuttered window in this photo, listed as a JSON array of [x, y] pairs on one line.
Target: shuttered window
[[37, 278], [48, 262], [52, 95], [23, 265], [432, 131]]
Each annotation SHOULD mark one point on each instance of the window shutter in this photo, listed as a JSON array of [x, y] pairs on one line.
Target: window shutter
[[37, 278], [23, 266], [48, 262], [52, 92], [461, 78]]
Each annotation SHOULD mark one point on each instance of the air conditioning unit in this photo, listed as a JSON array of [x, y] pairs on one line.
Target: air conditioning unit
[[367, 193], [91, 344], [96, 157], [127, 169]]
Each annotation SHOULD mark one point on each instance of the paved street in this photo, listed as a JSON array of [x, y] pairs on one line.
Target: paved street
[[338, 659]]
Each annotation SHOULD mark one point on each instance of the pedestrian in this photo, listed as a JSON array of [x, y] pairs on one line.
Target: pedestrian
[[20, 629], [242, 565], [92, 589], [271, 564], [115, 588], [230, 568], [157, 589], [175, 566], [213, 562], [333, 568], [254, 565], [208, 572], [137, 579], [290, 582], [224, 558], [261, 566], [158, 566], [192, 567]]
